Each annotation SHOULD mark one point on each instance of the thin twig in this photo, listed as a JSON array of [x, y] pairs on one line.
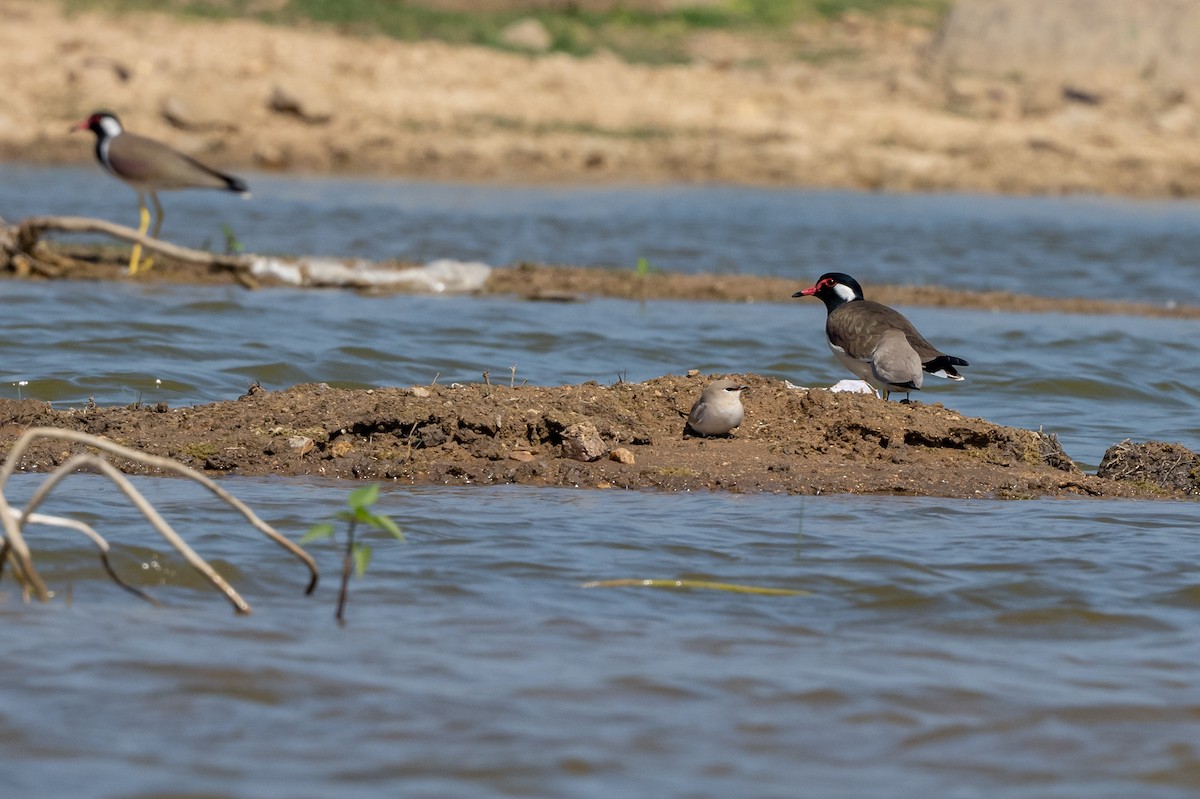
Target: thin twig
[[13, 546], [98, 540], [31, 230], [408, 442], [139, 501], [347, 563]]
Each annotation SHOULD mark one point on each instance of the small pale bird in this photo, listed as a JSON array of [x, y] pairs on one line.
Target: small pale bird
[[876, 342], [150, 166], [718, 410]]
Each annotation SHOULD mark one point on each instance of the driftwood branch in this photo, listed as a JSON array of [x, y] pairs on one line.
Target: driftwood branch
[[14, 548], [77, 462], [97, 539], [30, 231], [22, 249]]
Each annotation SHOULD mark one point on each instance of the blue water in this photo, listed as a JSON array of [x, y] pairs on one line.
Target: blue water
[[1092, 380], [1038, 648], [1143, 251], [946, 648]]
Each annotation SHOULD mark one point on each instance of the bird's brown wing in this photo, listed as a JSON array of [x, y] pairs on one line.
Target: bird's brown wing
[[874, 318], [856, 327], [139, 160]]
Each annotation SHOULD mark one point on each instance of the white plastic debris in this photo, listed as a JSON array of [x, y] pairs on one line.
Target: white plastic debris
[[849, 386], [441, 276], [852, 387]]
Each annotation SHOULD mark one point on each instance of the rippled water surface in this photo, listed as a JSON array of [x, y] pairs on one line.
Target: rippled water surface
[[949, 649], [1043, 648]]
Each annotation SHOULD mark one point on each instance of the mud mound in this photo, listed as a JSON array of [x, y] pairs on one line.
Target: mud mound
[[624, 435], [1171, 467]]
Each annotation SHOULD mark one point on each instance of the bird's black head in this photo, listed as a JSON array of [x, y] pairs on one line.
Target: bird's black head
[[834, 289], [102, 123]]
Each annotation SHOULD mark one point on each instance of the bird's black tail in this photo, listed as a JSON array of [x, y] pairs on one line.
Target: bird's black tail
[[943, 366], [236, 184]]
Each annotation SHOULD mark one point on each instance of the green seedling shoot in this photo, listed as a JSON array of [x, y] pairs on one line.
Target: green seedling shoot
[[357, 554], [233, 245]]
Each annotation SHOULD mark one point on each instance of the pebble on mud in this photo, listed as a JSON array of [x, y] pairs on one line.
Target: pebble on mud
[[582, 442], [622, 455], [527, 34], [305, 105]]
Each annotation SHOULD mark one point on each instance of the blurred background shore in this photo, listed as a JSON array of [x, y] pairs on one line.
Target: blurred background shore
[[998, 96]]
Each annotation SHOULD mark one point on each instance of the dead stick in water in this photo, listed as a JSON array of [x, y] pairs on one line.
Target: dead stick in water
[[30, 231]]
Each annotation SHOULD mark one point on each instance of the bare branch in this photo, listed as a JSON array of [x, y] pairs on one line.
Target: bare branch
[[105, 468], [30, 231], [98, 540], [14, 548]]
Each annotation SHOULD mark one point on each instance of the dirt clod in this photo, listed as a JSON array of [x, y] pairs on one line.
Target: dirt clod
[[1171, 467]]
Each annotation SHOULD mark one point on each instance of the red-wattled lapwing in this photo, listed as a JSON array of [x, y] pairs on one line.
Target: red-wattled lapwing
[[718, 409], [876, 342], [149, 167]]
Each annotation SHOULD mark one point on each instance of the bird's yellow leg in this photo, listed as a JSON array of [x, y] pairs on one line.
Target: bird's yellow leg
[[143, 226], [158, 214], [158, 220]]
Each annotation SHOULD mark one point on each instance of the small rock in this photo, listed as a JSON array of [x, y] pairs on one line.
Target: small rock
[[198, 113], [1180, 120], [622, 455], [523, 455], [271, 156], [908, 84], [99, 77], [527, 34], [582, 442], [340, 448], [420, 391], [302, 443], [311, 108]]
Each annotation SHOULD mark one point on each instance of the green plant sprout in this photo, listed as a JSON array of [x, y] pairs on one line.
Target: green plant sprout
[[357, 555], [233, 245]]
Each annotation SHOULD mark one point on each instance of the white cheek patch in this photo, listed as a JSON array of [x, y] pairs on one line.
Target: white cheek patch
[[111, 126], [103, 153], [845, 293]]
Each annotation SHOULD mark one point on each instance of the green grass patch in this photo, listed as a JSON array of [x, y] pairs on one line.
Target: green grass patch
[[635, 34]]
